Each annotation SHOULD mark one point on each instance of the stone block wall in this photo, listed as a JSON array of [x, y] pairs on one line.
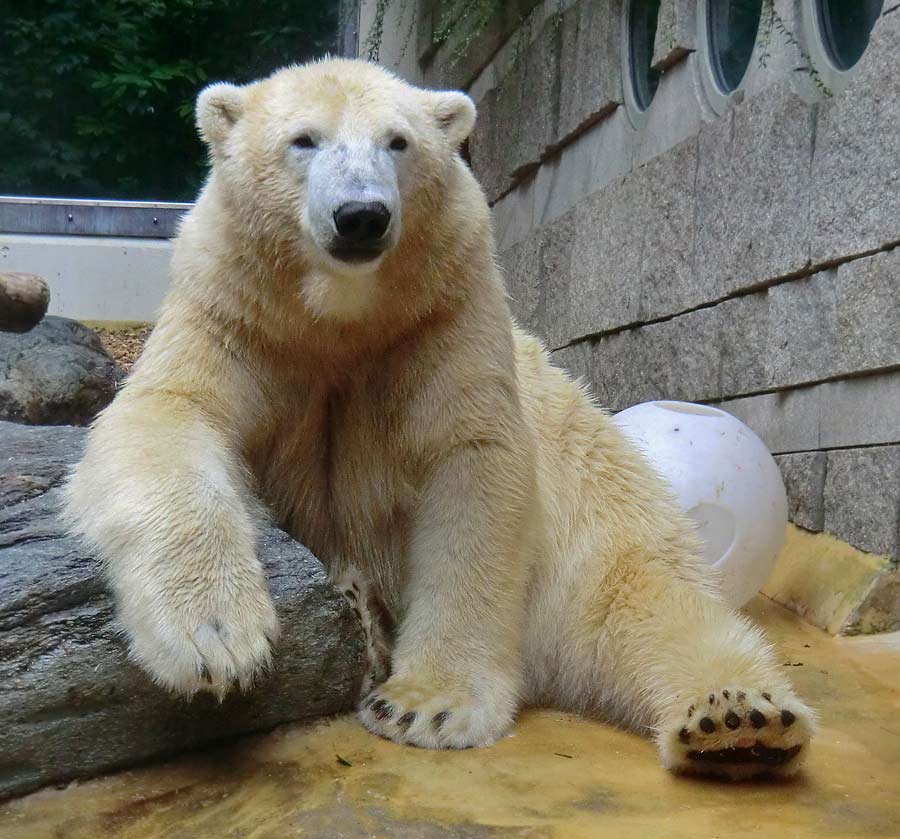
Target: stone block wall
[[739, 251]]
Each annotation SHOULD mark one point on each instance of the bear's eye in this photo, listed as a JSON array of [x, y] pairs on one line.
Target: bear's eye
[[304, 141], [398, 144]]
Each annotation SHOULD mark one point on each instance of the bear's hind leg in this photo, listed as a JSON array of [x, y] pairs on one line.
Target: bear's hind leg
[[376, 623], [670, 658]]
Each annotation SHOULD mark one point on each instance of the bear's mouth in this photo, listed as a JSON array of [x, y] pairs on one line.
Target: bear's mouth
[[356, 253]]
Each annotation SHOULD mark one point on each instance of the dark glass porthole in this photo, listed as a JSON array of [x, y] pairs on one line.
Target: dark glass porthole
[[732, 26], [846, 26], [642, 17]]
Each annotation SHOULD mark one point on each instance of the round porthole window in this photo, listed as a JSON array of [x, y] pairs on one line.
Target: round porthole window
[[642, 18], [846, 26], [732, 26]]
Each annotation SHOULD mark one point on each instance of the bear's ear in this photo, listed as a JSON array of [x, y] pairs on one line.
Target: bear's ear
[[455, 115], [219, 107]]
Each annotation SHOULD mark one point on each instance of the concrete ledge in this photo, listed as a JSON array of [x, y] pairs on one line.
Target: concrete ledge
[[676, 32], [879, 612], [94, 278], [826, 581]]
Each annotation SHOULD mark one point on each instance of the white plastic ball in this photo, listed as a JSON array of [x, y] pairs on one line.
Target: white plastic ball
[[725, 479]]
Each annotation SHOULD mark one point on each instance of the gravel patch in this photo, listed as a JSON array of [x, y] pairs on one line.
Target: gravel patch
[[125, 345]]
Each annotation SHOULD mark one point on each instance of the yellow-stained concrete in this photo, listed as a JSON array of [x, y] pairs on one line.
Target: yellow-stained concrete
[[824, 579], [557, 777]]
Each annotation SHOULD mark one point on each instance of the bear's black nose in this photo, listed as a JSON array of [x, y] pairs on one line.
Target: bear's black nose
[[362, 223]]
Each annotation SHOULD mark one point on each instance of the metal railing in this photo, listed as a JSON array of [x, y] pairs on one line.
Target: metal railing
[[86, 217]]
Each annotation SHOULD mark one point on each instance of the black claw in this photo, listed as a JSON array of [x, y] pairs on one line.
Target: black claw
[[691, 711], [382, 710], [358, 614], [350, 593], [369, 701], [732, 720], [787, 718], [684, 735], [712, 698], [439, 719], [726, 694], [407, 720], [758, 719], [767, 697], [741, 696], [205, 675], [707, 725]]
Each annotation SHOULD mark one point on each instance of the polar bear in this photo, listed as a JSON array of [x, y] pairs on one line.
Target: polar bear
[[337, 351]]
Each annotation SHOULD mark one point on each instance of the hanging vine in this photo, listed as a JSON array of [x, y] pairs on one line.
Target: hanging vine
[[771, 22]]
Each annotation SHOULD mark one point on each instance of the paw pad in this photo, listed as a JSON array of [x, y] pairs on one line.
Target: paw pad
[[707, 725]]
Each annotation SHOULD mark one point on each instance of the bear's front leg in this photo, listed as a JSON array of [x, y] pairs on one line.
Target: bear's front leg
[[161, 496], [456, 669]]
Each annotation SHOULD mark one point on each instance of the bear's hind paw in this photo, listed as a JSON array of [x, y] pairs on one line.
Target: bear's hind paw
[[738, 733]]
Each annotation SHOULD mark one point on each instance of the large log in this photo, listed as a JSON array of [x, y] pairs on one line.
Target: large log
[[23, 301], [71, 704]]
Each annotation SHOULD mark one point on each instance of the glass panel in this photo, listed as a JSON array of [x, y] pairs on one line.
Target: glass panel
[[733, 25], [846, 26], [641, 37]]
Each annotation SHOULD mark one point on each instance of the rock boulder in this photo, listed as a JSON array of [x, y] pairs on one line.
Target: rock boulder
[[71, 704], [56, 374]]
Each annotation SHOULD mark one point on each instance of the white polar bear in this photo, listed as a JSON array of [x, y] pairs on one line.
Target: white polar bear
[[337, 343]]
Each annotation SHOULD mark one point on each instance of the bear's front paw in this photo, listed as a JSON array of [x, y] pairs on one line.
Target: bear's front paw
[[421, 714], [738, 733], [208, 644]]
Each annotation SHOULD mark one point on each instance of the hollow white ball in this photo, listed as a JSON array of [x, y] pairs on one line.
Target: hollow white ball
[[726, 481]]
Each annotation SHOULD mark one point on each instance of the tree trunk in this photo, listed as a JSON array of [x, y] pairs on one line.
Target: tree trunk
[[23, 301], [71, 704]]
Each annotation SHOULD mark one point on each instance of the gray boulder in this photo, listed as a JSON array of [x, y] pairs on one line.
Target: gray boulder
[[71, 703], [56, 374]]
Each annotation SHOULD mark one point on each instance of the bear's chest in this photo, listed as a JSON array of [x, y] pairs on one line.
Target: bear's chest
[[339, 469]]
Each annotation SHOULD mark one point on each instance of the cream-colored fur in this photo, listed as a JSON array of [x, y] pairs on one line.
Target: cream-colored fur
[[391, 416]]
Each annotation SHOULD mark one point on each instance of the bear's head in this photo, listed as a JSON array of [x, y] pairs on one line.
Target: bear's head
[[338, 159]]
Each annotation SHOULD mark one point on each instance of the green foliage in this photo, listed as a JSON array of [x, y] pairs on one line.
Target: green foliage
[[97, 96]]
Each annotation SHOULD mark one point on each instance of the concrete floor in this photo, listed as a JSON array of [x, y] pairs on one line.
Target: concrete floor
[[557, 776]]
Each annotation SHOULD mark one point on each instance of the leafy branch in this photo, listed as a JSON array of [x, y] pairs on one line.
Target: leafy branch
[[98, 97]]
